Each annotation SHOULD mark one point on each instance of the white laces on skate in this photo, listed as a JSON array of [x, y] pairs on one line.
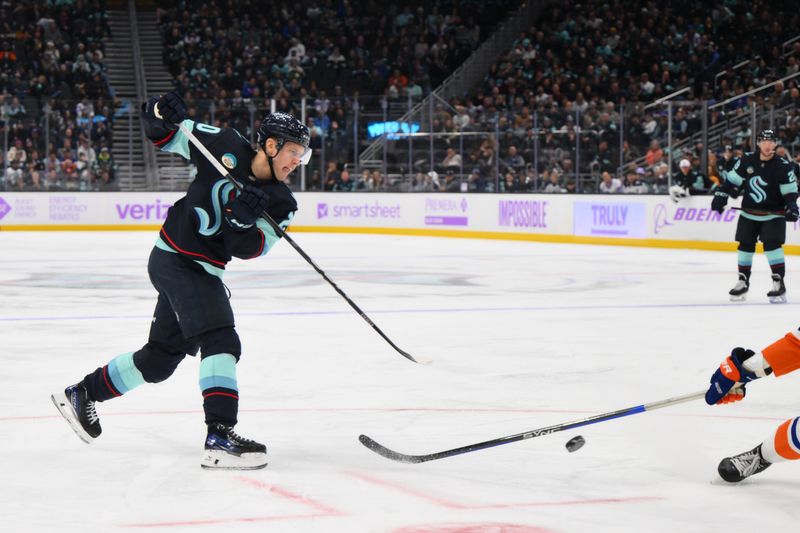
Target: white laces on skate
[[747, 464], [91, 413]]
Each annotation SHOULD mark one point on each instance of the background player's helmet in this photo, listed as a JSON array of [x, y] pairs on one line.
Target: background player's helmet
[[766, 135], [283, 127]]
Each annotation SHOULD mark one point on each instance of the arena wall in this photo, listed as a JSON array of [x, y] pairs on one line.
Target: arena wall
[[654, 221]]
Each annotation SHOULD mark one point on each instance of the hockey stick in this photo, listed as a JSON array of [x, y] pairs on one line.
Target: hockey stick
[[758, 212], [404, 458], [281, 233]]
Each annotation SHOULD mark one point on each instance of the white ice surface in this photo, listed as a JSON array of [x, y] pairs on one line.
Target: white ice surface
[[522, 336]]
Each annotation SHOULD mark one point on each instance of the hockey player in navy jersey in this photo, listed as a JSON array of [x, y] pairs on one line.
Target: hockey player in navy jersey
[[769, 188], [211, 224]]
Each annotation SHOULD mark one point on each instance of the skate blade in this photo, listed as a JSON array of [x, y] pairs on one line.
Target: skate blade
[[62, 404], [777, 299], [738, 298], [222, 460]]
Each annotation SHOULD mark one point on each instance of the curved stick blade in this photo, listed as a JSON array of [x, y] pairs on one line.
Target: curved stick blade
[[382, 450]]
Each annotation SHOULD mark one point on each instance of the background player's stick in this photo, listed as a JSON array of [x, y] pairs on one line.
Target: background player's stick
[[759, 212], [279, 231], [404, 458]]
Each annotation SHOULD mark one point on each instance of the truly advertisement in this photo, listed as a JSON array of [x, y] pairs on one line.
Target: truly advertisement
[[522, 213], [610, 219], [374, 209], [446, 211]]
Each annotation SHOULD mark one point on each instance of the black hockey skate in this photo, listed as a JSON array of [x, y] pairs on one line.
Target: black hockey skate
[[739, 291], [778, 293], [76, 407], [226, 450], [735, 469]]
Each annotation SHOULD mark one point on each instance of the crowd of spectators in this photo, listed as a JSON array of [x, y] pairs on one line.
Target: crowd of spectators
[[569, 96], [56, 105]]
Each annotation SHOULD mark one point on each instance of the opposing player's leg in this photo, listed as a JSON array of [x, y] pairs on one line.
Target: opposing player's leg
[[783, 445]]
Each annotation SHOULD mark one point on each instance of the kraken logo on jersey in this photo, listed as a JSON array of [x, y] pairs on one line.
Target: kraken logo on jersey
[[756, 191], [219, 196]]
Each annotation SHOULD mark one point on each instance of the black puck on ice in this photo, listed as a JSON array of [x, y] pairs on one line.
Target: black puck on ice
[[575, 443]]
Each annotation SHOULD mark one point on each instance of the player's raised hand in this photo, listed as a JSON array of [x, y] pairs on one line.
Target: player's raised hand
[[171, 109], [727, 383]]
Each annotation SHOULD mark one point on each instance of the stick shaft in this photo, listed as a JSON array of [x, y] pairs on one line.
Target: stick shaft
[[280, 232], [404, 458]]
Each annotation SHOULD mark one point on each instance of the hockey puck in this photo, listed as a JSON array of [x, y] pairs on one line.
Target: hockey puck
[[575, 443]]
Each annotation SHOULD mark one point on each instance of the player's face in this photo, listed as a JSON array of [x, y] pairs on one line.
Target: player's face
[[767, 147], [288, 159]]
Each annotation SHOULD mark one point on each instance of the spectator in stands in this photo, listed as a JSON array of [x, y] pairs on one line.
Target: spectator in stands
[[104, 169], [17, 152], [609, 184], [345, 184], [452, 160], [634, 184], [655, 154], [35, 175], [554, 184], [13, 175], [514, 160]]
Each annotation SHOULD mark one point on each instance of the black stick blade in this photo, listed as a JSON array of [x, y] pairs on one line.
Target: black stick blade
[[382, 450]]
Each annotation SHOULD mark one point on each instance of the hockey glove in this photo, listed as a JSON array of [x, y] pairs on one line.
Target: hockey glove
[[731, 372], [171, 109], [792, 213], [719, 201], [243, 211]]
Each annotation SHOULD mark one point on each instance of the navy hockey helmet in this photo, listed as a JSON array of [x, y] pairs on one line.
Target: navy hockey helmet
[[766, 135], [284, 127]]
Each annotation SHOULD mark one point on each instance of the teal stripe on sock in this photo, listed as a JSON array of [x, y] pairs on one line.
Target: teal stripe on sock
[[775, 257], [218, 370], [745, 258], [124, 374]]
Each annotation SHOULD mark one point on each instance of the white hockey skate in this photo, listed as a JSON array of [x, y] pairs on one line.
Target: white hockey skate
[[225, 450], [778, 293], [739, 291]]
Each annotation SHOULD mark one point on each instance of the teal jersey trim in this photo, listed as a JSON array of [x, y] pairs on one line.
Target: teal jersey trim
[[218, 370], [179, 144], [759, 218], [270, 237], [733, 177], [775, 257], [211, 269], [788, 188], [124, 374]]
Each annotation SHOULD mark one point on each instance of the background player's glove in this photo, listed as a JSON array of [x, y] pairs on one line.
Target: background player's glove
[[171, 109], [792, 213], [729, 373], [719, 201], [242, 212]]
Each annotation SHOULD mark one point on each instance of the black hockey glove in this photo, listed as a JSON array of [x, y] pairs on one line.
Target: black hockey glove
[[792, 213], [243, 211], [719, 201], [171, 109]]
